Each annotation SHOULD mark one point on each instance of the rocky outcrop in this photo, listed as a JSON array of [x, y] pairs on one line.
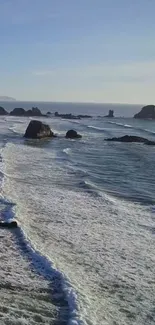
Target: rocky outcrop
[[72, 134], [3, 111], [110, 114], [132, 138], [66, 116], [12, 224], [147, 112], [22, 112], [36, 111], [18, 111], [84, 116], [71, 116], [38, 130], [33, 112]]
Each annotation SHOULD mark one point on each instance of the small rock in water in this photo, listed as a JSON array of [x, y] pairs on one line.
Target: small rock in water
[[12, 224], [72, 134], [132, 138]]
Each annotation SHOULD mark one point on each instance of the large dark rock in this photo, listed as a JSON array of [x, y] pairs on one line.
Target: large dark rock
[[18, 111], [72, 134], [3, 111], [12, 224], [38, 130], [28, 113], [147, 112], [110, 114], [35, 111], [132, 138]]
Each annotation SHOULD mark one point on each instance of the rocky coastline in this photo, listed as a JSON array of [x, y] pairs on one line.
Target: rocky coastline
[[19, 111]]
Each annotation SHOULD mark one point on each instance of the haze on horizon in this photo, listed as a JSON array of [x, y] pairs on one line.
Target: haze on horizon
[[78, 51]]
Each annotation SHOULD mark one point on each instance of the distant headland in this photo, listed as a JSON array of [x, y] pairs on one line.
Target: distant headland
[[7, 99]]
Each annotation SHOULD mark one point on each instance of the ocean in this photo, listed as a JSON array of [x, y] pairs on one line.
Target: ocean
[[84, 250]]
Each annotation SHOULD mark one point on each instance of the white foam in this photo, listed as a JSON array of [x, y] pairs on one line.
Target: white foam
[[67, 151], [43, 265], [95, 128], [128, 126]]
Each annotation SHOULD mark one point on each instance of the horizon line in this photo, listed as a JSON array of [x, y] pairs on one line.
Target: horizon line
[[71, 102]]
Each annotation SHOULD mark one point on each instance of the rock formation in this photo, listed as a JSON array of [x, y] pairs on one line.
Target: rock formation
[[3, 111], [147, 112], [22, 112], [18, 111], [110, 114], [36, 111], [72, 134], [132, 138], [71, 116], [38, 130], [12, 224]]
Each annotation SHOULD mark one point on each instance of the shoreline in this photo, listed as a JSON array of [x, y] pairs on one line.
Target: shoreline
[[25, 295]]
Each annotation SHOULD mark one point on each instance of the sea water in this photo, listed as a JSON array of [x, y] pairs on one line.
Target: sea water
[[86, 215]]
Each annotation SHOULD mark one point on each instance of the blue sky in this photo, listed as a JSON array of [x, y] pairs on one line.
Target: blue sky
[[78, 50]]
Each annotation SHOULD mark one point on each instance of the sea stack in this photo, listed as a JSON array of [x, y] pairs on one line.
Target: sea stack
[[38, 130], [110, 114], [147, 112]]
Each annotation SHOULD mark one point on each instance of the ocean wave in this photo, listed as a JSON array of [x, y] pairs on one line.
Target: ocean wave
[[133, 127], [69, 120], [42, 264], [148, 131], [90, 188], [121, 124], [13, 130], [67, 151], [128, 125], [103, 129], [95, 128]]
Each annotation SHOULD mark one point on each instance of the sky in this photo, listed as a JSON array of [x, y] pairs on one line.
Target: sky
[[78, 50]]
